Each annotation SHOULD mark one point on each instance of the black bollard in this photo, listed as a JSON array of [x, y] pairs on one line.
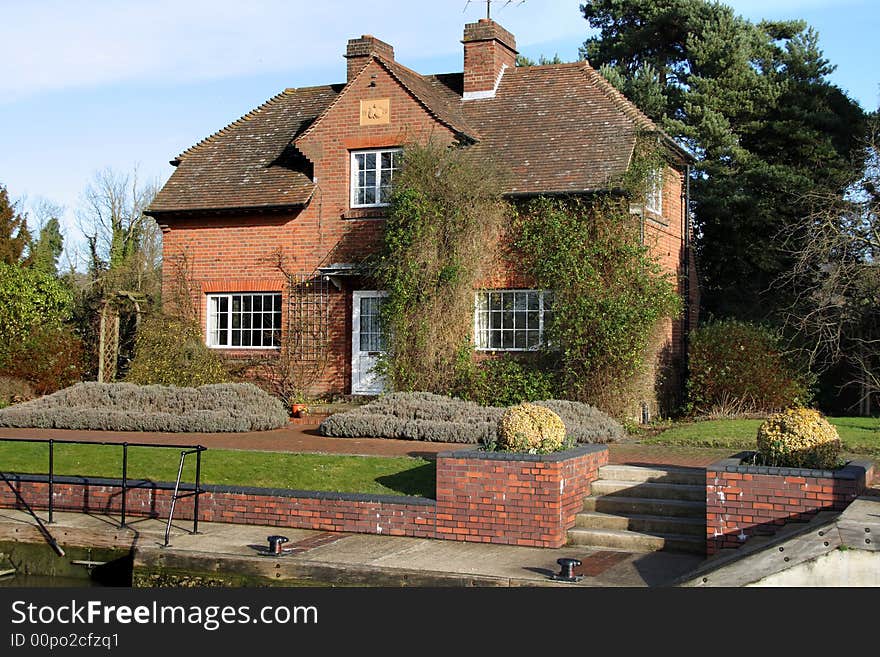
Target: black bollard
[[275, 543], [566, 570]]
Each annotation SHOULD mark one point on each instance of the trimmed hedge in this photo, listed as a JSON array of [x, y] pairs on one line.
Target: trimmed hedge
[[225, 407], [435, 418]]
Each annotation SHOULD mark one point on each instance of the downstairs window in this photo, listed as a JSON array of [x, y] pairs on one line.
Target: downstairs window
[[244, 320]]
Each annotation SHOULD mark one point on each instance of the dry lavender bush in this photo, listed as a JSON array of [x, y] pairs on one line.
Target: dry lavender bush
[[435, 418], [226, 407]]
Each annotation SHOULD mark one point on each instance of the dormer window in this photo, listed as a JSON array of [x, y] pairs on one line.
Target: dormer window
[[654, 192], [372, 173]]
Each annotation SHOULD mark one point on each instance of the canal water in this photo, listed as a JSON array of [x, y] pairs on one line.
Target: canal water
[[42, 581]]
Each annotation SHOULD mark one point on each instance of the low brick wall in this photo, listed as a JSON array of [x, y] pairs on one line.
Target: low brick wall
[[517, 499], [748, 500], [344, 512]]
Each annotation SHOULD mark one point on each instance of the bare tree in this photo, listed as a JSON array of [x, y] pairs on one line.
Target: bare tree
[[124, 243], [835, 280]]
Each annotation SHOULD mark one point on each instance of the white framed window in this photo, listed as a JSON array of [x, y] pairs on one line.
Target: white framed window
[[244, 320], [511, 320], [654, 192], [372, 174]]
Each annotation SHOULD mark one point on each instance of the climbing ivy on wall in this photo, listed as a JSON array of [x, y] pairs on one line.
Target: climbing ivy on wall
[[445, 215], [447, 223], [609, 294]]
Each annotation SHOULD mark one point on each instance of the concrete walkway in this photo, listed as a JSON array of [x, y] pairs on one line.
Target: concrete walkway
[[346, 559]]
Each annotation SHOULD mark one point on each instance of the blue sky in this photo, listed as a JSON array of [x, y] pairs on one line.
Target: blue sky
[[90, 84]]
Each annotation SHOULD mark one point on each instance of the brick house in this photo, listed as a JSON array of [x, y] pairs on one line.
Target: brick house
[[293, 194]]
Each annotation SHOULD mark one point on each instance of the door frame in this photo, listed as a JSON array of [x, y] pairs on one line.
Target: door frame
[[356, 297]]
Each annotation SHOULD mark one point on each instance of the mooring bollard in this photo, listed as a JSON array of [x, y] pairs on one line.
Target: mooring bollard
[[566, 572]]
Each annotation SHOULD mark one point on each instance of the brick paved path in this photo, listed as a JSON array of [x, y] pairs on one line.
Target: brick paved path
[[305, 438]]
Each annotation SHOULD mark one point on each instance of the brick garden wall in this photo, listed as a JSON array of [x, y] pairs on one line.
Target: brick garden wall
[[495, 497], [745, 500], [528, 500]]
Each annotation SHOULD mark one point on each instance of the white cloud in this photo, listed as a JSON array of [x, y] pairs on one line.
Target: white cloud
[[58, 44]]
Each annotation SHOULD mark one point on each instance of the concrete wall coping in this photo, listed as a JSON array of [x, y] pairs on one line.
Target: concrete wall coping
[[553, 457], [852, 470]]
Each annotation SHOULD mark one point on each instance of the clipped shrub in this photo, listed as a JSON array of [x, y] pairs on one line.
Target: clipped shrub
[[225, 407], [585, 423], [171, 351], [416, 416], [738, 367], [506, 382], [14, 391], [50, 357], [799, 438], [530, 428], [436, 418]]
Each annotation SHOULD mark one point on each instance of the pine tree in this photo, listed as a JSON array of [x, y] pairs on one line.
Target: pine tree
[[754, 103]]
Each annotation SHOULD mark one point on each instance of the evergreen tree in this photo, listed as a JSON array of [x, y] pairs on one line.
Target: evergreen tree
[[14, 234], [753, 102], [47, 249]]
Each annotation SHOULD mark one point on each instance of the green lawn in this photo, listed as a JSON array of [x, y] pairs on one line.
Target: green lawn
[[859, 435], [348, 474]]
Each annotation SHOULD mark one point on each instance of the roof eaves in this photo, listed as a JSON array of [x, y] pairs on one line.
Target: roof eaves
[[244, 209]]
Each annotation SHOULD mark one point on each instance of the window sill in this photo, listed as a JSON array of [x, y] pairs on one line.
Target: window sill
[[656, 217], [366, 213]]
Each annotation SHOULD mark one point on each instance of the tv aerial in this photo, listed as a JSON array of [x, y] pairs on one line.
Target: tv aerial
[[504, 4]]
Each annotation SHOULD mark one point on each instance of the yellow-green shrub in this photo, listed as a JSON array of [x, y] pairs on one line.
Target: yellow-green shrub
[[799, 438], [530, 428], [171, 351]]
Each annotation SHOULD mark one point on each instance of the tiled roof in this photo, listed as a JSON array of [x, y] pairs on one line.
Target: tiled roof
[[553, 129], [560, 128], [250, 163]]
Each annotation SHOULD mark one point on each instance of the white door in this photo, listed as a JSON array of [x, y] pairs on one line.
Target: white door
[[366, 342]]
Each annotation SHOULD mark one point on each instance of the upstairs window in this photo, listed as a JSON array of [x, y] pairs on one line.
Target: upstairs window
[[654, 195], [244, 321], [511, 320], [372, 174]]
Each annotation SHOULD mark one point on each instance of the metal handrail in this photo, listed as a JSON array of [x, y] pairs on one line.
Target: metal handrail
[[176, 496], [51, 442]]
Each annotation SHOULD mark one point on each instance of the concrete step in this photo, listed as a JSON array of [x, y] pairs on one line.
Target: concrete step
[[657, 474], [622, 539], [654, 491], [624, 505], [643, 524]]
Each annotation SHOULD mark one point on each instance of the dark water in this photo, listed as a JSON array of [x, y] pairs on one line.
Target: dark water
[[40, 581]]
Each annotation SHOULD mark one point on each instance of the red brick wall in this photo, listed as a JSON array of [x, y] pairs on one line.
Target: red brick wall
[[345, 513], [745, 501], [529, 501], [499, 498]]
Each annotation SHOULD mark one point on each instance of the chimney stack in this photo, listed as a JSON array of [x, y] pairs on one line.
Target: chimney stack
[[488, 50], [360, 50]]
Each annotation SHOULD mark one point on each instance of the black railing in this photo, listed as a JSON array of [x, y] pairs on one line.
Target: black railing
[[187, 449]]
